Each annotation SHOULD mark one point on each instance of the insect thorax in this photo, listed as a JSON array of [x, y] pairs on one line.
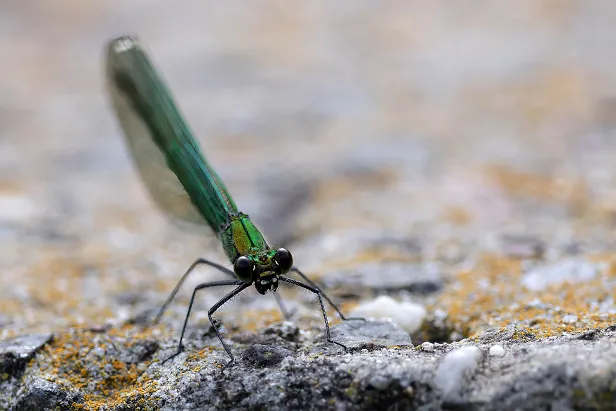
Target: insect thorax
[[241, 237]]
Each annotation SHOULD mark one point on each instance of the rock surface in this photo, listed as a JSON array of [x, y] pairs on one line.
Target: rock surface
[[459, 156], [566, 372], [15, 353]]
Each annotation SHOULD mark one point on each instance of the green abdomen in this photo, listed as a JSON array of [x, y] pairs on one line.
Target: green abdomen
[[241, 237]]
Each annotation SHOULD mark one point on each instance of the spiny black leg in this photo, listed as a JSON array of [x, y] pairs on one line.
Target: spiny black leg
[[318, 293], [179, 284], [192, 300], [215, 307], [283, 308], [312, 283]]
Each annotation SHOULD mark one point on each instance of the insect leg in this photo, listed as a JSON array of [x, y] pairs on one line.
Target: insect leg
[[200, 261], [312, 283], [318, 293], [241, 284], [215, 307], [286, 314]]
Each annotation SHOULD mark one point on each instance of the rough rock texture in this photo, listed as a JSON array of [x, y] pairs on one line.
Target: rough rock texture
[[15, 353], [458, 155], [564, 372]]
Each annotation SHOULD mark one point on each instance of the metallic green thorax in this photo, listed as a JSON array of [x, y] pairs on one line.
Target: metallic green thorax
[[160, 140], [241, 237]]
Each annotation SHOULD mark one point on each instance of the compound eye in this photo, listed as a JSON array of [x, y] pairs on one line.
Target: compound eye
[[284, 259], [243, 268]]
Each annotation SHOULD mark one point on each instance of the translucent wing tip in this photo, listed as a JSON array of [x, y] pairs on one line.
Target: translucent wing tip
[[121, 45]]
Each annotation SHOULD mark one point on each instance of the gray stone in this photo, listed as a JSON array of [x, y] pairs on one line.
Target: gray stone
[[16, 352], [263, 356], [43, 395], [284, 329], [419, 278], [566, 372], [141, 350], [359, 334]]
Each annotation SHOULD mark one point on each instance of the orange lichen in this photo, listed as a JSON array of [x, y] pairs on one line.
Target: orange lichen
[[200, 354], [457, 215], [492, 295], [522, 184], [252, 320], [71, 361], [51, 286]]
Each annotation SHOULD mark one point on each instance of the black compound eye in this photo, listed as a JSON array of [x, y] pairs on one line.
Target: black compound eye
[[243, 268], [284, 259]]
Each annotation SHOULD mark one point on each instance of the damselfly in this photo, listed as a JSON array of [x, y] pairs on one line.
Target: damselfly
[[186, 187]]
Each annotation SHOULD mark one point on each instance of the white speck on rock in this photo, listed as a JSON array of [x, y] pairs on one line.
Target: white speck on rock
[[379, 382], [572, 270], [455, 367], [407, 315], [537, 303], [496, 351], [427, 346], [570, 319]]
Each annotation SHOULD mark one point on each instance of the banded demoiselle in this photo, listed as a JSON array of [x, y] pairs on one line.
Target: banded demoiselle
[[185, 186]]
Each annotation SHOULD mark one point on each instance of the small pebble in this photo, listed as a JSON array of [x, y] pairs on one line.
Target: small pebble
[[496, 351], [427, 346], [407, 315], [455, 367], [570, 319]]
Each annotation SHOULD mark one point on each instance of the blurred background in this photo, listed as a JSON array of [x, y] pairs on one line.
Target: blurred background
[[371, 138]]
